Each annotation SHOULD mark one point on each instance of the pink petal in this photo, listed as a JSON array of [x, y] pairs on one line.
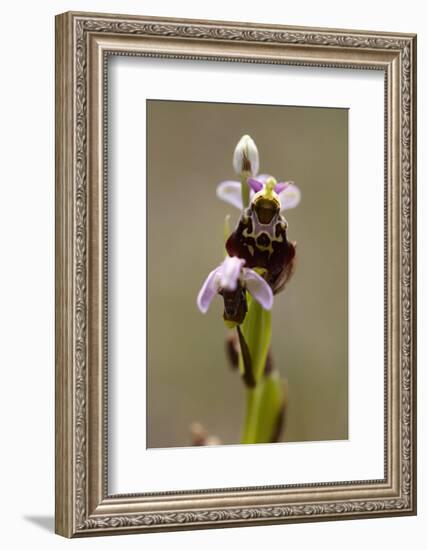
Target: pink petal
[[231, 192], [229, 272], [255, 185], [208, 291], [279, 187], [290, 196], [258, 287]]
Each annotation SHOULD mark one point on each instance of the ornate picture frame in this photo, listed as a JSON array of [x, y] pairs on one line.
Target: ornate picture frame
[[84, 42]]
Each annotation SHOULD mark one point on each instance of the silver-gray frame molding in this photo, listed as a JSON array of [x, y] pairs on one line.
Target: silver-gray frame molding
[[83, 43]]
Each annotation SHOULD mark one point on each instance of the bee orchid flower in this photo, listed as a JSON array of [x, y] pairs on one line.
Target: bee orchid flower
[[231, 191], [231, 279], [260, 237]]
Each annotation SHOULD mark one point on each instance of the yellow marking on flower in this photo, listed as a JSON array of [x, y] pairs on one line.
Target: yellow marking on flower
[[270, 184], [266, 202], [268, 248]]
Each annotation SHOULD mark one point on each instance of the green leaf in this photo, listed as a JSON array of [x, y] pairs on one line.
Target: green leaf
[[264, 409], [270, 407]]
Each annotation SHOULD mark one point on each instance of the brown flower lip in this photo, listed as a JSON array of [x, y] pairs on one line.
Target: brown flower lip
[[235, 304], [268, 248]]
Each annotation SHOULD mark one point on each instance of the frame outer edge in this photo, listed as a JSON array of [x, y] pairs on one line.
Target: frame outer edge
[[413, 217], [233, 24], [74, 506], [64, 237], [415, 265]]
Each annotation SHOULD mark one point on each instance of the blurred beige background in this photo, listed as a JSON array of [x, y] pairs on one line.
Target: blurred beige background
[[190, 148]]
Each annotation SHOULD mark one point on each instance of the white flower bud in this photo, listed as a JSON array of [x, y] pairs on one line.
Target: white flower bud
[[246, 158]]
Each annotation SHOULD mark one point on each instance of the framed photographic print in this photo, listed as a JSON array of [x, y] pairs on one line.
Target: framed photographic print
[[235, 274]]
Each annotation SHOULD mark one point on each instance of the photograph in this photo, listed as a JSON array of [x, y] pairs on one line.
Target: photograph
[[247, 273]]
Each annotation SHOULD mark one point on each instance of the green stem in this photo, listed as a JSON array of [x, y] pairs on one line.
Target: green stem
[[264, 401], [245, 357], [256, 330], [245, 189]]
